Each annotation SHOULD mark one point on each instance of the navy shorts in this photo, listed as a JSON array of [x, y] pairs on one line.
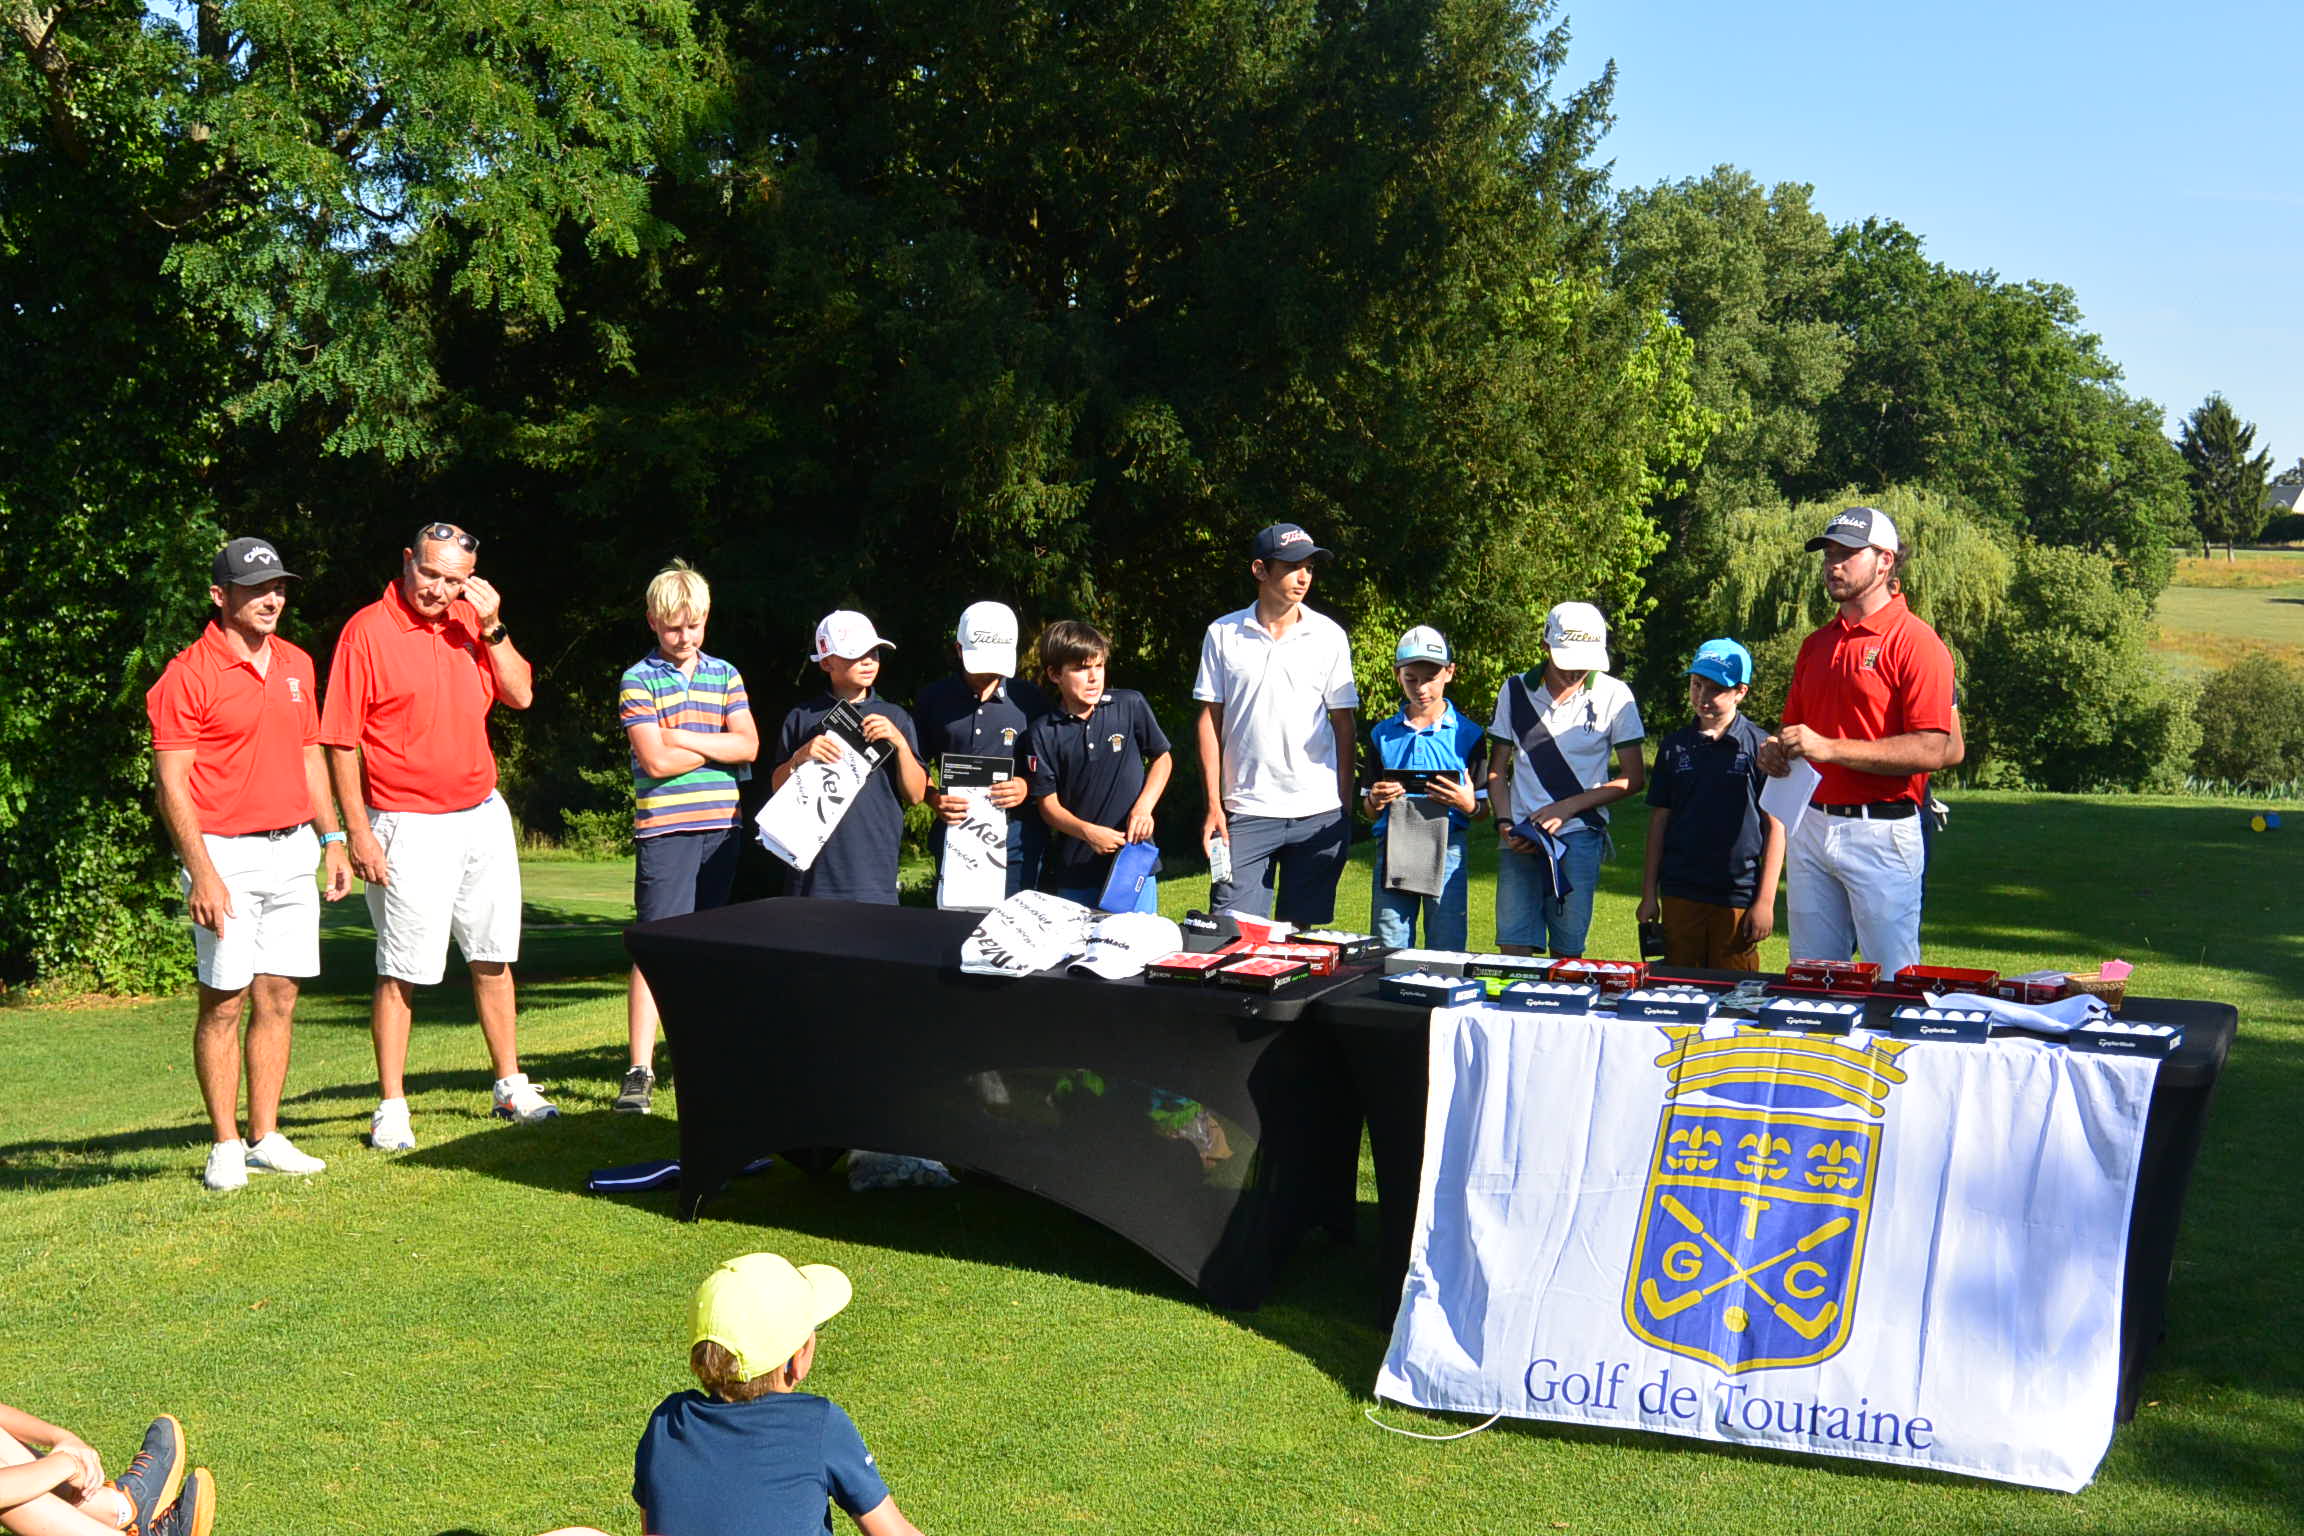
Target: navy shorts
[[682, 872]]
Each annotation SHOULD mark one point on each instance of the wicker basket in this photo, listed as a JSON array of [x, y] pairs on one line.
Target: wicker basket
[[2114, 991]]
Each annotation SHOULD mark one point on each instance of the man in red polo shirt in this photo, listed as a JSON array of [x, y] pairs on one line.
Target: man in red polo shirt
[[236, 751], [1871, 706], [409, 689]]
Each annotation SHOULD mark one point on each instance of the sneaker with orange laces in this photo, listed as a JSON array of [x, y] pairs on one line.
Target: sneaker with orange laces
[[194, 1512], [155, 1474]]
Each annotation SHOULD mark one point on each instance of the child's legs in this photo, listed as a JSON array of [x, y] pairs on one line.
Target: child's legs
[[1392, 913], [47, 1514], [1702, 934], [1448, 916], [1569, 920], [716, 865], [1520, 900]]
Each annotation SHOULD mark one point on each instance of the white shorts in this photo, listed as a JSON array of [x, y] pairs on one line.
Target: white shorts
[[454, 874], [274, 929]]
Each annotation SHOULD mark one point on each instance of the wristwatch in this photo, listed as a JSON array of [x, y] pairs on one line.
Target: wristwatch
[[495, 636], [330, 837]]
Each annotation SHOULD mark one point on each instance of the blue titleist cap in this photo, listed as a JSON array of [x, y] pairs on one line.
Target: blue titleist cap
[[1723, 661]]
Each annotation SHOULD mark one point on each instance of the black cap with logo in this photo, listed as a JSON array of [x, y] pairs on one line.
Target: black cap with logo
[[1286, 541], [245, 562]]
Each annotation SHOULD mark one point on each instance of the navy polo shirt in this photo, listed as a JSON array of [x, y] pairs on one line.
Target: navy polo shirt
[[778, 1463], [859, 864], [952, 719], [1713, 842], [1095, 765]]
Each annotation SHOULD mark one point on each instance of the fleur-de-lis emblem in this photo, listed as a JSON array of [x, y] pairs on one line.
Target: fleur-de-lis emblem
[[1695, 1155], [1762, 1163], [1841, 1166]]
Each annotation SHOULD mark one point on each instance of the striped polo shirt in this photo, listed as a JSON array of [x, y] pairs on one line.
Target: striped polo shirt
[[655, 692]]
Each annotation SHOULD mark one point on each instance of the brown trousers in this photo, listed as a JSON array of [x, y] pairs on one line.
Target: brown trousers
[[1700, 934]]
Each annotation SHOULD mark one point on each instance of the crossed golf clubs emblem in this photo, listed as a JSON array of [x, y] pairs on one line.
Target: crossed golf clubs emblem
[[1662, 1306]]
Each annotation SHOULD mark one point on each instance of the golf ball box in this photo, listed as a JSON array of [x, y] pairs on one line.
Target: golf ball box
[[1919, 980], [1549, 996], [1834, 975], [1320, 957], [1510, 967], [1262, 973], [2117, 1037], [1444, 962], [1189, 968], [1610, 976], [1968, 1026], [2032, 987], [1430, 989], [1351, 948], [1815, 1014], [1667, 1005]]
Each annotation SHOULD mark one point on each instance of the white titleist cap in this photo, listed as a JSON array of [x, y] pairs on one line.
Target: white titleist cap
[[1858, 527], [1577, 637], [987, 637], [847, 634]]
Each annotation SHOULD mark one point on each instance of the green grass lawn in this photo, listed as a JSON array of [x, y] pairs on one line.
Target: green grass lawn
[[2215, 611], [460, 1340]]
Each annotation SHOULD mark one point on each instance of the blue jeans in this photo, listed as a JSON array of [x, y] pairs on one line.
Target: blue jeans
[[1447, 916], [1303, 856], [1524, 917], [1147, 899]]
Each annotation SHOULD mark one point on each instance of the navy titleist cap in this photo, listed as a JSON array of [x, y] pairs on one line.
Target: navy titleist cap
[[245, 562], [1286, 541], [1858, 527]]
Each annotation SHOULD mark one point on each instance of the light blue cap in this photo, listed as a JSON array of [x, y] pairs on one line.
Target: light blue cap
[[1724, 661], [1423, 643]]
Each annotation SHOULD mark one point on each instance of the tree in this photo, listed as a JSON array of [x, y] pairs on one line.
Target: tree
[[2227, 484], [1991, 392], [2252, 723], [222, 219]]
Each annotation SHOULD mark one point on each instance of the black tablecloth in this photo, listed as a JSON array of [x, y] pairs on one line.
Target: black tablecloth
[[801, 1024], [1384, 1047]]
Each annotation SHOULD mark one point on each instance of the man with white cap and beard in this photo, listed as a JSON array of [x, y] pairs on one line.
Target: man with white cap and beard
[[1870, 704]]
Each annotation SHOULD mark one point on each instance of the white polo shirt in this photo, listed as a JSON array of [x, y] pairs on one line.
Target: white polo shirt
[[1583, 731], [1279, 750]]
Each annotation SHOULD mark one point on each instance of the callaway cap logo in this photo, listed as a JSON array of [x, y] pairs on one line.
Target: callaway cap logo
[[259, 556]]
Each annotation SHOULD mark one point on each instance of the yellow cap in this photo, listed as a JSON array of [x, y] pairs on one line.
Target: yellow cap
[[761, 1308]]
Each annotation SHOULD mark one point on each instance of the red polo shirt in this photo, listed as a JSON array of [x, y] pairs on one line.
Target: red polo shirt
[[1887, 675], [246, 731], [414, 698]]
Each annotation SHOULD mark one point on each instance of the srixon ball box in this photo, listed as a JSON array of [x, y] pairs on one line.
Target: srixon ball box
[[1322, 958], [1262, 973], [1351, 948], [1185, 967]]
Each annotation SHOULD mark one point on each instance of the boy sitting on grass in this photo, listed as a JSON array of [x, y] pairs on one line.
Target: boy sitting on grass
[[752, 1455], [1713, 855], [63, 1493]]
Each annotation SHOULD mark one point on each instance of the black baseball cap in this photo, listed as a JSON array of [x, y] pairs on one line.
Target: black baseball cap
[[1286, 541], [245, 562]]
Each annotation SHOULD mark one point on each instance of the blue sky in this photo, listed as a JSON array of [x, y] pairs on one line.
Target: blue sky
[[2150, 158]]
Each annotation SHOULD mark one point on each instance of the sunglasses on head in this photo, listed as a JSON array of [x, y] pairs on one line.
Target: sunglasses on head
[[448, 533]]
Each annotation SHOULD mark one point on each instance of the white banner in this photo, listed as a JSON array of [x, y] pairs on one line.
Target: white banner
[[1859, 1247], [973, 873]]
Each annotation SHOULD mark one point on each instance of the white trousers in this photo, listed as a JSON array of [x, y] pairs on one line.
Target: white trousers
[[1853, 884]]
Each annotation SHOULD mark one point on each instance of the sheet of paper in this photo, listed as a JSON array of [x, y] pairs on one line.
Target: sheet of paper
[[1787, 798]]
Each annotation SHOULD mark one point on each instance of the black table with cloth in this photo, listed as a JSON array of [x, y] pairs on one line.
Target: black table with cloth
[[801, 1024], [1384, 1046]]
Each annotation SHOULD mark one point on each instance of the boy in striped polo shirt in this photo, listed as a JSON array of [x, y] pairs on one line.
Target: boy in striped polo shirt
[[693, 742]]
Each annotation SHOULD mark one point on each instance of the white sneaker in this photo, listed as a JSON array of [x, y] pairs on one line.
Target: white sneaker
[[388, 1127], [277, 1154], [227, 1165], [516, 1100]]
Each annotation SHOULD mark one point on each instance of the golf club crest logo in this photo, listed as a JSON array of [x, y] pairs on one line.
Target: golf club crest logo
[[1751, 1235]]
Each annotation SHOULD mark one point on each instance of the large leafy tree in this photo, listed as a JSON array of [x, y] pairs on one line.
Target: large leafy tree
[[221, 218], [2227, 481], [1991, 391]]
